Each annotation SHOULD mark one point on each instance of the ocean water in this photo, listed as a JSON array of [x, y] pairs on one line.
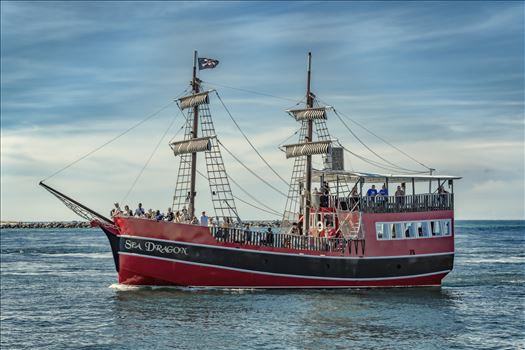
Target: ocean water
[[58, 291]]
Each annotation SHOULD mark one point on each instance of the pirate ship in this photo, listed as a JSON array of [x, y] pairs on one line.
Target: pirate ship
[[336, 235]]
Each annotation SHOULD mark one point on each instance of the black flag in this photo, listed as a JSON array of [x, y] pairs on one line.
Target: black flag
[[205, 63]]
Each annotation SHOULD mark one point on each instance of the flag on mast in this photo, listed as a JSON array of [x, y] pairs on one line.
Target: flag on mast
[[205, 63]]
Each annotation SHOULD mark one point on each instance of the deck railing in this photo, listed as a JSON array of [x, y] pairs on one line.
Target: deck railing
[[410, 203], [282, 240]]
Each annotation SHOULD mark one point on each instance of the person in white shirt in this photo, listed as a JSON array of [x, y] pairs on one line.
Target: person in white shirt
[[204, 219]]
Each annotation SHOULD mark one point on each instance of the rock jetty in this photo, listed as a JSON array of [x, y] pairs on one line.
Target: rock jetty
[[45, 225], [85, 224]]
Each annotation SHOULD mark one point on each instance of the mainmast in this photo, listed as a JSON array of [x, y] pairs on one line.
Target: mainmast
[[300, 191], [195, 90], [309, 133]]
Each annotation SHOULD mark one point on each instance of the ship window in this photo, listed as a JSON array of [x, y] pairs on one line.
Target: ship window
[[415, 229], [412, 229], [446, 227], [393, 230], [387, 234], [425, 225], [400, 231], [436, 228], [419, 226], [379, 231]]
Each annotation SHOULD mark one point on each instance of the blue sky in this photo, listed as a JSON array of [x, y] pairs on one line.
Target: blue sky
[[444, 81]]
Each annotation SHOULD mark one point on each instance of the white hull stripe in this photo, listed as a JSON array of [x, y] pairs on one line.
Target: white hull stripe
[[280, 253], [282, 274]]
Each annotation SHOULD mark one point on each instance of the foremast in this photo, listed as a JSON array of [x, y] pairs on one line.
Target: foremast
[[196, 108]]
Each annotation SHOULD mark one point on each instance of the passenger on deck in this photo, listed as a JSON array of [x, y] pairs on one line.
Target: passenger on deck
[[400, 195], [372, 193], [247, 233], [150, 214], [268, 240], [195, 221], [325, 188], [116, 211], [204, 219], [127, 211], [159, 216], [169, 215], [185, 215], [316, 199], [383, 191], [178, 216], [294, 230], [441, 190], [140, 211]]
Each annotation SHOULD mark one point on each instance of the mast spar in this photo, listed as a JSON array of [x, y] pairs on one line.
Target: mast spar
[[195, 90], [309, 133]]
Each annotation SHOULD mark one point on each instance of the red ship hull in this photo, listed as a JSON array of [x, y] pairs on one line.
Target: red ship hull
[[147, 252]]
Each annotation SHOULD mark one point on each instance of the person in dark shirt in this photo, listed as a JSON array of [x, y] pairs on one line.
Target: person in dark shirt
[[140, 211], [169, 215]]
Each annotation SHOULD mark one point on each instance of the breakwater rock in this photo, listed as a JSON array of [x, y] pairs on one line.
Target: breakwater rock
[[85, 224], [45, 225]]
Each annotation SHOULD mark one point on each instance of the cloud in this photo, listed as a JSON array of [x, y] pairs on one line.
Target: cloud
[[443, 82]]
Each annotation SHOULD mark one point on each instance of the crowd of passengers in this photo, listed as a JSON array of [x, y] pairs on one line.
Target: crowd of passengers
[[179, 216], [321, 198]]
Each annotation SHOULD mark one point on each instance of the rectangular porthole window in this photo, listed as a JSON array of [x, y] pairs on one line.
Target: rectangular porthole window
[[419, 226], [393, 231], [426, 228], [400, 230], [413, 229], [436, 228], [446, 228], [379, 231]]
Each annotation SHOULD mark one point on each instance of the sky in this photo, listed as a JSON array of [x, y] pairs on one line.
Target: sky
[[442, 81]]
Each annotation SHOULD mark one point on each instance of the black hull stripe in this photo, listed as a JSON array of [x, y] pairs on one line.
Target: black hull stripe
[[289, 264], [283, 275], [281, 253]]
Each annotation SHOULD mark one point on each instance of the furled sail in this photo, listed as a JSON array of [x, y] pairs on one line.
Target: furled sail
[[193, 100], [309, 113], [308, 149], [200, 144]]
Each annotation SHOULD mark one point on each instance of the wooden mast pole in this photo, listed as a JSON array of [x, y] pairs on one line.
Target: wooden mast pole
[[308, 187], [195, 90]]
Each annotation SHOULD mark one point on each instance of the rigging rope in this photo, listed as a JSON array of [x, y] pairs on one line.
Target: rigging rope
[[371, 162], [247, 140], [251, 91], [152, 154], [113, 139], [251, 171], [382, 139], [394, 166], [271, 211]]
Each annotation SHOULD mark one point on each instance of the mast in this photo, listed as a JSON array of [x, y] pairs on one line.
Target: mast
[[195, 90], [309, 134]]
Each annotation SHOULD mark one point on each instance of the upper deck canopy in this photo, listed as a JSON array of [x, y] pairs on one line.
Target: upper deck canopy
[[353, 176]]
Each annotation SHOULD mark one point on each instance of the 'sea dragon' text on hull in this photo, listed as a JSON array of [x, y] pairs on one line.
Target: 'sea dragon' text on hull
[[339, 228]]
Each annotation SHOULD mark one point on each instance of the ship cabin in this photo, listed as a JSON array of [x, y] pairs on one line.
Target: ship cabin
[[343, 200]]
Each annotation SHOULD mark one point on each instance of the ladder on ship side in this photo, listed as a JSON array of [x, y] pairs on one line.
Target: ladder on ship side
[[220, 189], [293, 201], [181, 197]]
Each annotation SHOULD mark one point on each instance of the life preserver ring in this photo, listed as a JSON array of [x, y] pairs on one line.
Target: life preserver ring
[[320, 226]]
